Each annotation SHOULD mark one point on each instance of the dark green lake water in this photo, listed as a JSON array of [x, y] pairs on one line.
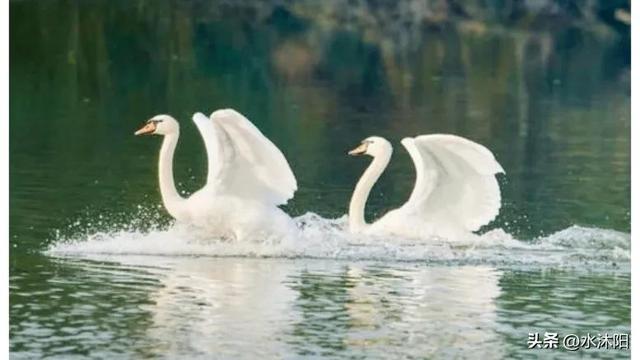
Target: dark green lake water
[[553, 104]]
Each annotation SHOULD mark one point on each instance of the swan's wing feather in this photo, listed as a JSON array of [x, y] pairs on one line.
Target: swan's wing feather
[[242, 161], [217, 144], [455, 181]]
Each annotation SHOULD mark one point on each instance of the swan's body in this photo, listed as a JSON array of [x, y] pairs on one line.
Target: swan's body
[[455, 192], [248, 177]]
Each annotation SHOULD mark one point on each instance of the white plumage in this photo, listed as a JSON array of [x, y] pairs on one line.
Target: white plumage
[[455, 193], [247, 178], [242, 161]]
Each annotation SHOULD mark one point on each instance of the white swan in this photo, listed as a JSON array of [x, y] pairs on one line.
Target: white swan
[[248, 177], [455, 192]]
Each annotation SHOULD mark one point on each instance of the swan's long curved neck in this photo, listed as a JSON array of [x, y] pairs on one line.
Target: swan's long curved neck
[[363, 188], [170, 197]]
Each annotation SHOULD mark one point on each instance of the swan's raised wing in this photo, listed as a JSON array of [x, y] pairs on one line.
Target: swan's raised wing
[[242, 161], [455, 181]]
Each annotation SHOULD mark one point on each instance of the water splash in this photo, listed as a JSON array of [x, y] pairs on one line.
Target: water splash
[[329, 239]]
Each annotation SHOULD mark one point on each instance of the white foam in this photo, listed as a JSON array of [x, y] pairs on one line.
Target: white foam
[[328, 239]]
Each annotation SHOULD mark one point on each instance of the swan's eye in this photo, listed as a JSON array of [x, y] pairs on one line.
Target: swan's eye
[[154, 121]]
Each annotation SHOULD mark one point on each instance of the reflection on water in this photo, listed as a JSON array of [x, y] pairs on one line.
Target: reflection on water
[[566, 303], [549, 97], [381, 311], [95, 304], [195, 307]]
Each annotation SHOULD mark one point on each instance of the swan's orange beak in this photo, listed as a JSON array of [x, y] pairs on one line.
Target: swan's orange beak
[[360, 150], [149, 128]]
